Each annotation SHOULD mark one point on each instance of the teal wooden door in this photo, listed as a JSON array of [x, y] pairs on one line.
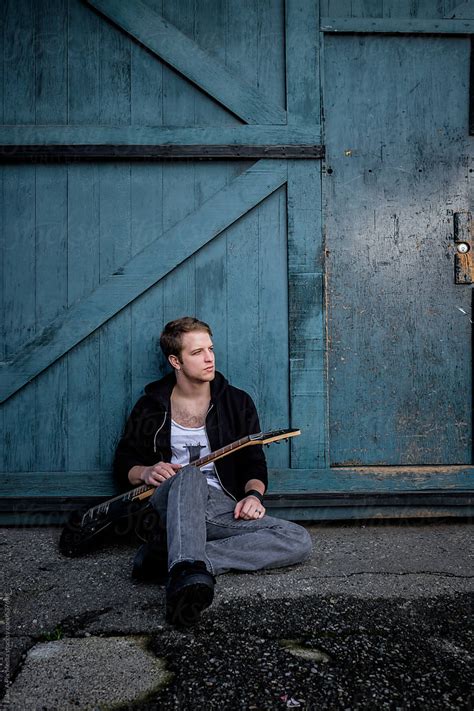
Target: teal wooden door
[[397, 96], [99, 254], [400, 329]]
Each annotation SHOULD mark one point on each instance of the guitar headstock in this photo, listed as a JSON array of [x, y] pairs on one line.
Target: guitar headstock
[[273, 436]]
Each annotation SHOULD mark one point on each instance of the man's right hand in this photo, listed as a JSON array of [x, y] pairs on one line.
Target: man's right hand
[[159, 473]]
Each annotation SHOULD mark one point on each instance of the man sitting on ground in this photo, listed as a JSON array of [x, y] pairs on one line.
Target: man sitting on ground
[[215, 518]]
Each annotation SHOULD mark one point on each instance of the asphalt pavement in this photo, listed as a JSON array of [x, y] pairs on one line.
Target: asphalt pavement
[[380, 617]]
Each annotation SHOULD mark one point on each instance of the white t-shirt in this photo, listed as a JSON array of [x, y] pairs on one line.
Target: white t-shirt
[[189, 444]]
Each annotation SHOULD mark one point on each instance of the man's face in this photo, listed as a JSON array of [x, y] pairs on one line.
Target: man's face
[[197, 361]]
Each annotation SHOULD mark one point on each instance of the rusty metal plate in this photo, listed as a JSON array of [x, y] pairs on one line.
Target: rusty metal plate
[[464, 244]]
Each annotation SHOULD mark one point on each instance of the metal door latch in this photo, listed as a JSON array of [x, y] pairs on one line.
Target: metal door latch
[[464, 243]]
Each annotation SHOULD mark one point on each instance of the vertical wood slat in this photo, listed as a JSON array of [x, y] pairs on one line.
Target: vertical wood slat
[[19, 319], [83, 239], [83, 276], [366, 8], [146, 200], [51, 106], [211, 36], [19, 230], [271, 50], [115, 241], [83, 65], [242, 258], [114, 336], [422, 9], [211, 294], [50, 22], [18, 59], [146, 83], [51, 299], [274, 396], [305, 291], [210, 265], [114, 62], [178, 178]]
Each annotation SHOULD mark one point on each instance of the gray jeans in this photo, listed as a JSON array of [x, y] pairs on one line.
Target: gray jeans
[[200, 525]]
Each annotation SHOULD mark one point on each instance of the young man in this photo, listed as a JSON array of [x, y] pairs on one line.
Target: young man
[[215, 519]]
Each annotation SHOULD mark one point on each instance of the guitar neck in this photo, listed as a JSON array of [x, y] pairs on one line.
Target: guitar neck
[[142, 492], [145, 490]]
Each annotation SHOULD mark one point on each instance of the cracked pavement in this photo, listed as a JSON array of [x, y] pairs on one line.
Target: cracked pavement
[[377, 603]]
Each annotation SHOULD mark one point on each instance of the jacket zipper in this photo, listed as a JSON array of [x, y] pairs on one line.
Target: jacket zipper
[[215, 468], [159, 430]]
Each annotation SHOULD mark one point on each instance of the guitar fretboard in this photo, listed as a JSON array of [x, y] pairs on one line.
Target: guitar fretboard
[[138, 491]]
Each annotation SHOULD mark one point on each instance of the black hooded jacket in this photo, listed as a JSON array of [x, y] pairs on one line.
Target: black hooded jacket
[[232, 415]]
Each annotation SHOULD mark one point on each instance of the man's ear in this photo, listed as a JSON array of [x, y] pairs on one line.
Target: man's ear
[[174, 361]]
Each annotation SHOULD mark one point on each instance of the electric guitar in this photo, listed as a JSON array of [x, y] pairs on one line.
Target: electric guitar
[[83, 527]]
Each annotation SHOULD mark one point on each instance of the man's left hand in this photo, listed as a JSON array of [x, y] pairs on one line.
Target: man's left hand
[[249, 509]]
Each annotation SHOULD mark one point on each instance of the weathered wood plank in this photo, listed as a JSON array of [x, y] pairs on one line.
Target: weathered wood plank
[[83, 417], [184, 55], [209, 21], [56, 154], [51, 300], [379, 479], [340, 482], [179, 193], [19, 62], [389, 25], [83, 66], [147, 310], [273, 327], [242, 309], [83, 361], [211, 294], [115, 76], [271, 49], [305, 280], [114, 335], [50, 25], [367, 8], [427, 9], [147, 105], [302, 50], [51, 106], [141, 272], [19, 324], [171, 135], [459, 10], [146, 91]]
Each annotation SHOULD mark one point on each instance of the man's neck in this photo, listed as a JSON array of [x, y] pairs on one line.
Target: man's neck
[[188, 390]]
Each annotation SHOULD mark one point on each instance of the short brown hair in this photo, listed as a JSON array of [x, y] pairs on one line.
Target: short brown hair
[[171, 336]]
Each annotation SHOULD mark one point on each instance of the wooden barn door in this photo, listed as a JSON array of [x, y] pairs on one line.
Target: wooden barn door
[[399, 159], [114, 224]]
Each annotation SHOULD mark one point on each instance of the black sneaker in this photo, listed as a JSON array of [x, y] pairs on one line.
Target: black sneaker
[[190, 589]]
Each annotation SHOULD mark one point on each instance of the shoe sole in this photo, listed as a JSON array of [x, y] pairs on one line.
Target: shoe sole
[[184, 608]]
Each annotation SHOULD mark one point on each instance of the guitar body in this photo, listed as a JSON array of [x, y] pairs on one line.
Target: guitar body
[[77, 538]]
